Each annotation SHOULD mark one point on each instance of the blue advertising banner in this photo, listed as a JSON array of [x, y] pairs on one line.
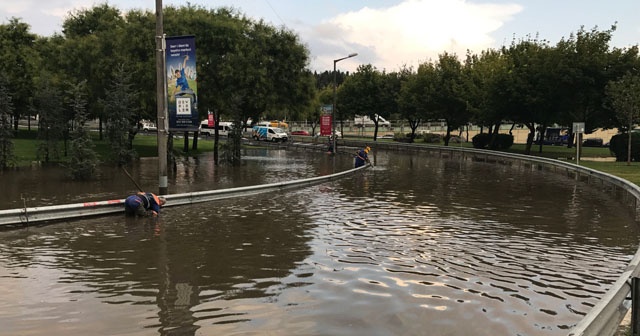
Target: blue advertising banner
[[182, 89]]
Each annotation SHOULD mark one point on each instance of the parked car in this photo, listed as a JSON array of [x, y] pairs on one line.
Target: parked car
[[386, 136], [300, 133], [593, 142], [149, 127], [224, 128]]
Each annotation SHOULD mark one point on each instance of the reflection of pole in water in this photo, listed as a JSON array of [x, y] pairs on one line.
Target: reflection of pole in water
[[174, 301]]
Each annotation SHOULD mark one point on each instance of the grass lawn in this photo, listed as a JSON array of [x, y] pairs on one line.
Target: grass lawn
[[621, 169], [26, 144], [146, 145]]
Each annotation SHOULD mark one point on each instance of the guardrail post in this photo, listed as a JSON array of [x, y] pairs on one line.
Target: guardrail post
[[635, 306]]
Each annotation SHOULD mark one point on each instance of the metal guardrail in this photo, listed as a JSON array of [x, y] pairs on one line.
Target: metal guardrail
[[26, 216]]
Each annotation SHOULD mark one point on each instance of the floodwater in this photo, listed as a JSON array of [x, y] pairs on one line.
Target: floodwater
[[418, 245]]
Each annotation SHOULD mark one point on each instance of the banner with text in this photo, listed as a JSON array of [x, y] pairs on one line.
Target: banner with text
[[182, 89], [325, 125], [325, 120]]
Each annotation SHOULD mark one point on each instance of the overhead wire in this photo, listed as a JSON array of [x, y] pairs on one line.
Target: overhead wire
[[275, 12]]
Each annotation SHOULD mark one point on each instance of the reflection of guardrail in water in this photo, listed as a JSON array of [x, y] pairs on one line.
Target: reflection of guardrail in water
[[605, 317], [26, 216]]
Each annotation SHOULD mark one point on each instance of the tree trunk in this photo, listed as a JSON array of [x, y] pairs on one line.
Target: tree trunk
[[447, 137], [216, 117], [375, 131], [629, 144], [532, 132], [195, 141], [543, 132], [185, 148], [170, 157], [571, 138], [100, 127]]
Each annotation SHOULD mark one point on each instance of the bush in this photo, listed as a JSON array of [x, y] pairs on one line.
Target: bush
[[619, 144], [481, 140], [501, 141], [432, 138]]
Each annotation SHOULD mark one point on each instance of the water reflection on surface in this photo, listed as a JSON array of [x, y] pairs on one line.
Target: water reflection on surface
[[418, 245]]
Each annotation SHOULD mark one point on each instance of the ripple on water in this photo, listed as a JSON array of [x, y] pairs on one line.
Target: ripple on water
[[423, 244]]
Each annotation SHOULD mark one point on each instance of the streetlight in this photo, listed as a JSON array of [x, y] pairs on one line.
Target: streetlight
[[333, 108]]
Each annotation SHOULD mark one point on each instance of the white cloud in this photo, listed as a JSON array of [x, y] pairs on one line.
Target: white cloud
[[15, 7], [45, 17], [411, 32]]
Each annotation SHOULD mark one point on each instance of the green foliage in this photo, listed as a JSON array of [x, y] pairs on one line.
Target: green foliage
[[624, 96], [502, 141], [619, 146], [119, 111], [432, 138], [585, 64], [7, 157], [481, 140], [92, 48], [450, 97], [249, 69], [361, 94], [83, 159], [228, 153], [52, 123], [18, 60]]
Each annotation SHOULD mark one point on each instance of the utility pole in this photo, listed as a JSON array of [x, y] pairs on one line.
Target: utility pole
[[161, 105], [333, 107]]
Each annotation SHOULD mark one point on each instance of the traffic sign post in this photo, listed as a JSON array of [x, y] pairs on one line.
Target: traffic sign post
[[578, 128]]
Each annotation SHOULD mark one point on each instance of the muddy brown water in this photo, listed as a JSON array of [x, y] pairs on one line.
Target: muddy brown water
[[418, 245]]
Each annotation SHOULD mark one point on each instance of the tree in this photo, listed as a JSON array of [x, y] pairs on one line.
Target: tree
[[136, 43], [584, 69], [624, 96], [526, 91], [52, 123], [92, 50], [361, 94], [416, 97], [449, 98], [84, 160], [480, 73], [7, 156], [390, 92], [120, 110], [17, 59]]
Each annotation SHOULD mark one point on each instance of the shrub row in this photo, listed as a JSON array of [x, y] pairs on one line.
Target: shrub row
[[501, 141], [619, 145]]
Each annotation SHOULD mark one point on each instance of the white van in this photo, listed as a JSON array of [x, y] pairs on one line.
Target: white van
[[366, 121], [267, 133], [224, 128]]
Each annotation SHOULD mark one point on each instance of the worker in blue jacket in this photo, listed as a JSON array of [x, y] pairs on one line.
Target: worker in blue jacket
[[143, 204], [362, 157]]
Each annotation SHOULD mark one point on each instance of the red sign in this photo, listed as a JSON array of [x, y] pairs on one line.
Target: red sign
[[325, 125], [211, 120]]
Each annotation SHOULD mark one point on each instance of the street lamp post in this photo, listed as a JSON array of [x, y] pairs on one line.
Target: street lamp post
[[333, 107], [161, 94]]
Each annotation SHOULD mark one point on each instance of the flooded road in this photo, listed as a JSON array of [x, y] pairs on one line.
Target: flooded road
[[418, 245]]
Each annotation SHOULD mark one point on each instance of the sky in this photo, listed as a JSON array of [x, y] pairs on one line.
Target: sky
[[386, 34]]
